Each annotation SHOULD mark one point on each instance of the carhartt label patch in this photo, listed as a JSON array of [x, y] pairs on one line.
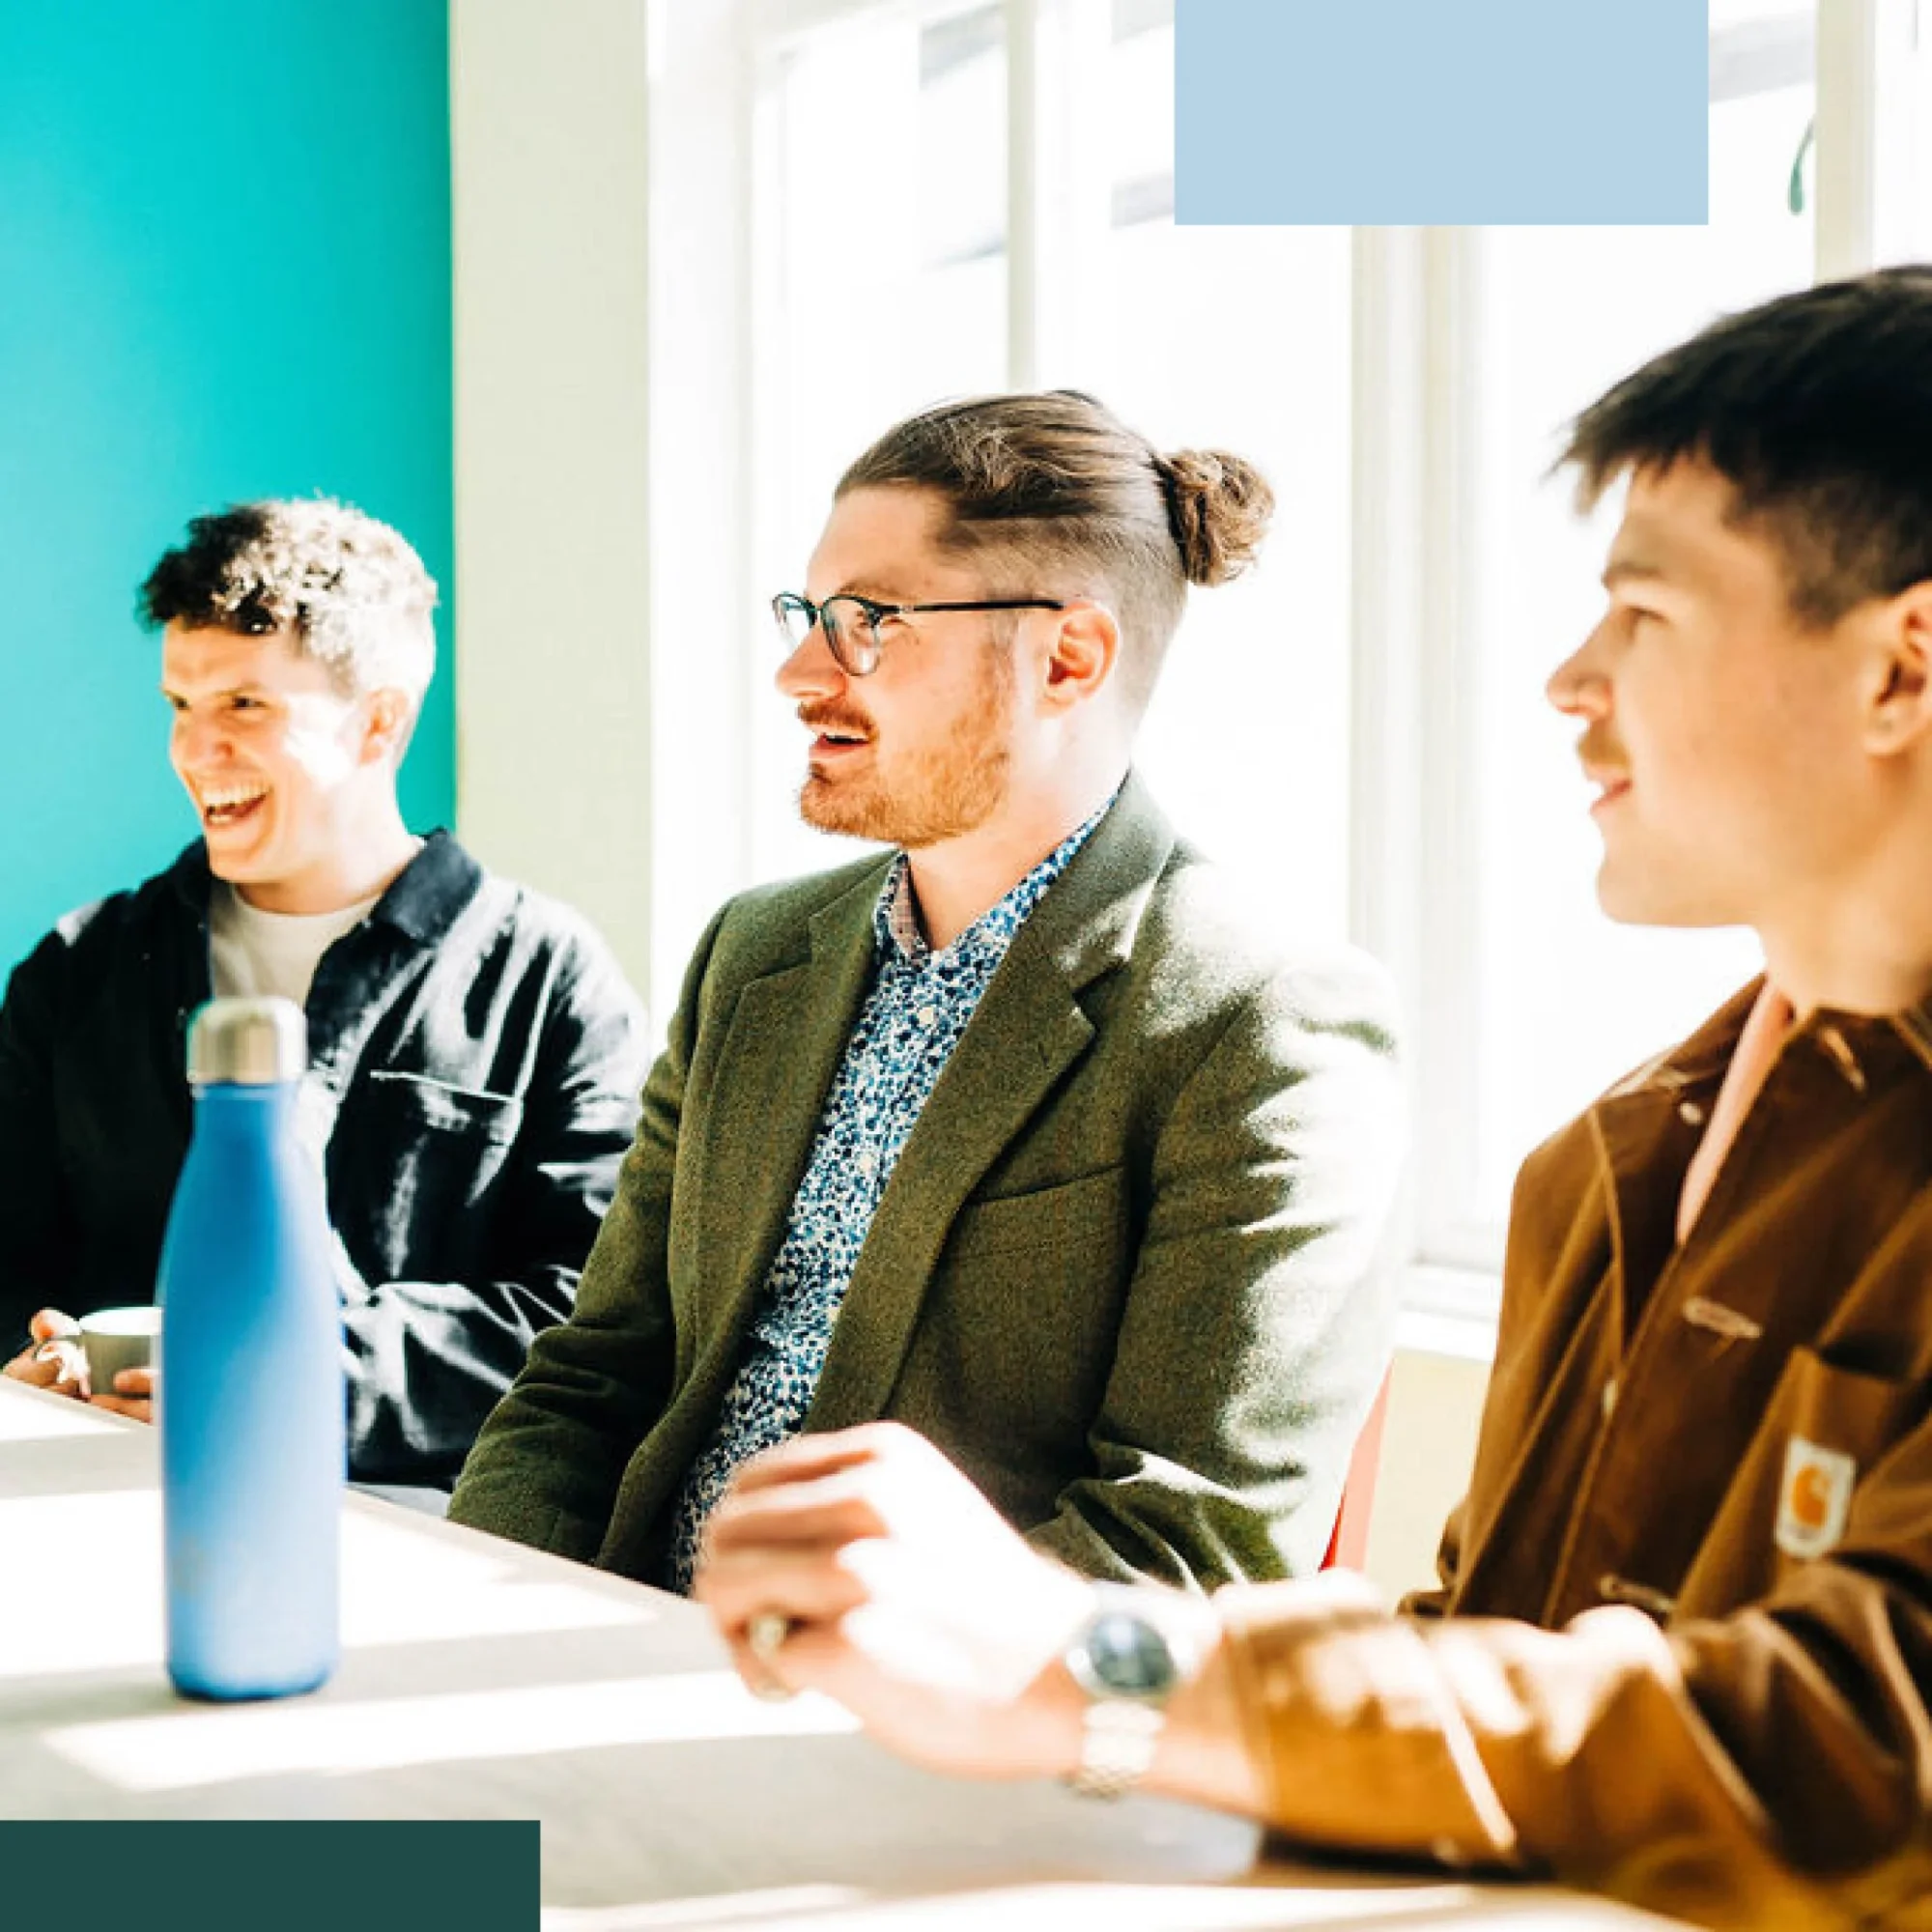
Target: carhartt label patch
[[1814, 1498]]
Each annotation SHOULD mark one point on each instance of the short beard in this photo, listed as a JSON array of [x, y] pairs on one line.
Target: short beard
[[950, 791]]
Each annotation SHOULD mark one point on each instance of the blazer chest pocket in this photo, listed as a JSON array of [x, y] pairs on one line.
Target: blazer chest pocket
[[1029, 1286], [1084, 1216], [1018, 1331]]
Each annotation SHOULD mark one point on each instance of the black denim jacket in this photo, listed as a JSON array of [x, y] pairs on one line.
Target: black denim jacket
[[475, 1058]]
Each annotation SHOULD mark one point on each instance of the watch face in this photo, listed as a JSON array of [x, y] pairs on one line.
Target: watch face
[[1128, 1657]]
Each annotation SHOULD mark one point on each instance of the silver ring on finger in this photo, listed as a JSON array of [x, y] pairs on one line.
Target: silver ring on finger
[[766, 1637], [765, 1634]]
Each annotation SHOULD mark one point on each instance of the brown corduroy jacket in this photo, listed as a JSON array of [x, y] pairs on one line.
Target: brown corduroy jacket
[[1682, 1650]]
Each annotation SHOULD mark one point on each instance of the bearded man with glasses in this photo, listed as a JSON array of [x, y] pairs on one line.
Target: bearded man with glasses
[[1017, 1132]]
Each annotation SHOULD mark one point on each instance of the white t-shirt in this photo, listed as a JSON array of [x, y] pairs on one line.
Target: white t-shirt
[[254, 954]]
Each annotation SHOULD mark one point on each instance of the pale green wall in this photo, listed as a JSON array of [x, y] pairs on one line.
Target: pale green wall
[[1429, 1448], [224, 272], [555, 363]]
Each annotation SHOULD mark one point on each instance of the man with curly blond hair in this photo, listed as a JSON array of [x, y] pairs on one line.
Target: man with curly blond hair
[[475, 1053]]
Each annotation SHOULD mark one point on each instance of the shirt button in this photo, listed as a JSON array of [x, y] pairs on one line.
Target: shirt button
[[1691, 1113], [928, 1014], [864, 1161]]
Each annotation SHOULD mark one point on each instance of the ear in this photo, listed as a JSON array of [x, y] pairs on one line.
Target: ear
[[391, 715], [1086, 641], [1899, 715]]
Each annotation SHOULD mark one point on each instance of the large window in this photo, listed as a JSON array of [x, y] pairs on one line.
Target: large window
[[945, 197]]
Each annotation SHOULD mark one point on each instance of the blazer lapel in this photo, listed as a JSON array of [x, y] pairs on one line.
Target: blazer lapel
[[1029, 1030], [787, 1036]]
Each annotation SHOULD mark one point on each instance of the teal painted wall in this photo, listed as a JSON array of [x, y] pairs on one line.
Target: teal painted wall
[[224, 272]]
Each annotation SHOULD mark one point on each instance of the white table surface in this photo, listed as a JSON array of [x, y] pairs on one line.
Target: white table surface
[[483, 1680]]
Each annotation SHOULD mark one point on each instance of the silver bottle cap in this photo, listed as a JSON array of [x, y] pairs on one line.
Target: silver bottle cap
[[247, 1043]]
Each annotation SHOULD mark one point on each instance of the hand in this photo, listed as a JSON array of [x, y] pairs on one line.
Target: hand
[[911, 1602], [133, 1395], [52, 1360]]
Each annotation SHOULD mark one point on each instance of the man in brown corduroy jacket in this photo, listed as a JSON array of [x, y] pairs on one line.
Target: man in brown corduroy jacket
[[1682, 1647]]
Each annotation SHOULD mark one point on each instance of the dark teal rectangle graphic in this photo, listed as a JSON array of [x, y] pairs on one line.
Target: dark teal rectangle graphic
[[231, 1876], [1402, 112]]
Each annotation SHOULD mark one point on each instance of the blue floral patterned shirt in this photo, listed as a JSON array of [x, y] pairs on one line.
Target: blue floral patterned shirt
[[911, 1021]]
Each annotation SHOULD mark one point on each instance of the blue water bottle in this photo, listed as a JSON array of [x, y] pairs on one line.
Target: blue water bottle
[[252, 1396]]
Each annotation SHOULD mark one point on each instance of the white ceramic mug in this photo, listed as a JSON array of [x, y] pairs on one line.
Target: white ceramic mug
[[114, 1339]]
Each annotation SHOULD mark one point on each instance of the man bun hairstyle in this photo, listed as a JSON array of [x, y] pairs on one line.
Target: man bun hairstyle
[[1220, 506], [1060, 498], [352, 592], [1817, 408]]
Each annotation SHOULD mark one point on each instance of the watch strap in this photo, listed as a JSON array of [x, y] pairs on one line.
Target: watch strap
[[1118, 1742]]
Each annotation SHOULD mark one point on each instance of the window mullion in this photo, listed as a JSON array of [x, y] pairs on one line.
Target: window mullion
[[1872, 94], [1414, 865], [1388, 358], [1448, 991], [1022, 33], [1387, 595]]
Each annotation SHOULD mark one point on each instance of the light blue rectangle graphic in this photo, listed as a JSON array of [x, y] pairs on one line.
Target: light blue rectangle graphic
[[1441, 111]]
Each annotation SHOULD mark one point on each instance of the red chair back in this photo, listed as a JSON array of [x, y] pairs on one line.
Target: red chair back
[[1349, 1545]]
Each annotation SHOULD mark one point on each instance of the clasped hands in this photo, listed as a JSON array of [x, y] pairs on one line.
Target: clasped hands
[[53, 1359], [866, 1565]]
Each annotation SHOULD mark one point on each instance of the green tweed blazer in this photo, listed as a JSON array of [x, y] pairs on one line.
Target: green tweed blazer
[[1128, 1272]]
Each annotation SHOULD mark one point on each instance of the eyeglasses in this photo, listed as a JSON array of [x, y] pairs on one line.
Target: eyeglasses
[[851, 623]]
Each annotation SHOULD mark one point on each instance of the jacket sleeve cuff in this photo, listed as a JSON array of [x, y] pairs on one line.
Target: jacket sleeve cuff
[[1358, 1745]]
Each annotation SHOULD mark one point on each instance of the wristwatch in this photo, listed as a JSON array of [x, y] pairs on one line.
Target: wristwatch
[[1129, 1661]]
